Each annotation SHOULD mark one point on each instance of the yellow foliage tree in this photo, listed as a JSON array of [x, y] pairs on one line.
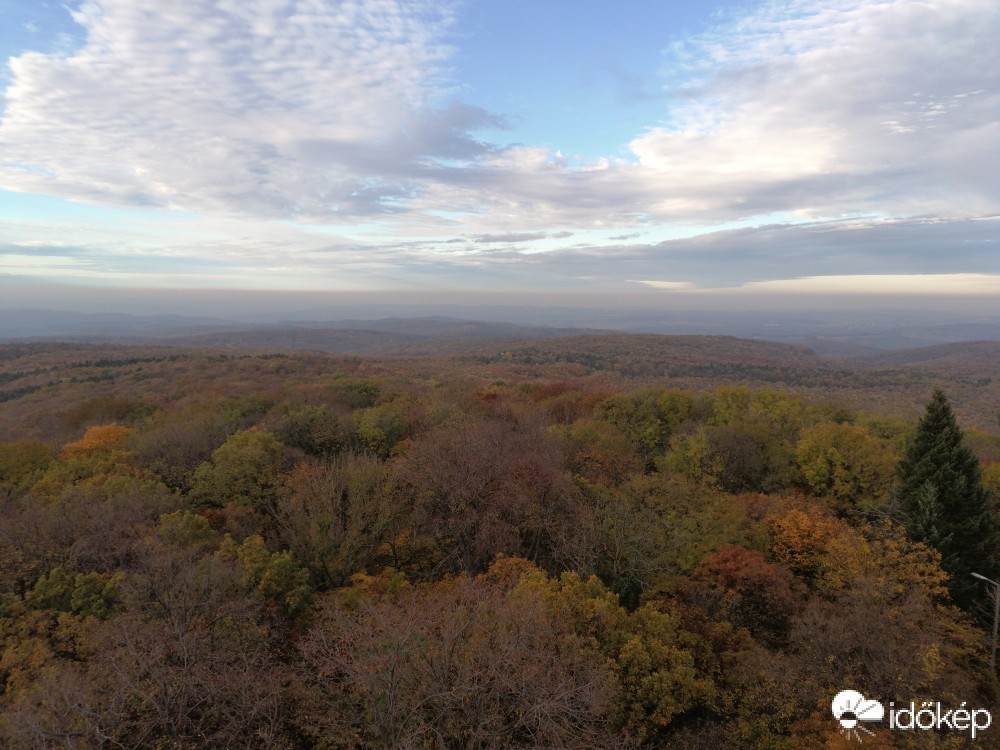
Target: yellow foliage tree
[[799, 540], [101, 458], [846, 465]]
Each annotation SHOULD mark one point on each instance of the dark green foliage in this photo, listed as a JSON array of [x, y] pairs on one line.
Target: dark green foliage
[[240, 412], [378, 428], [18, 392], [22, 462], [108, 409], [244, 470], [313, 430], [944, 504], [926, 521], [648, 417], [85, 594], [355, 393]]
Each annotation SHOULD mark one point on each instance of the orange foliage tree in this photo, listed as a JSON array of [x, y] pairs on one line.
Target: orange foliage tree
[[98, 439]]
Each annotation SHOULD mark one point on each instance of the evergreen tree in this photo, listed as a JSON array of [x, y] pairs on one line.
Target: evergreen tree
[[944, 503]]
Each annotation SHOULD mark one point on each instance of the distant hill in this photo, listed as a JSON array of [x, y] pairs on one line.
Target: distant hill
[[25, 324], [831, 332], [350, 336], [896, 381], [613, 349], [35, 374], [389, 336], [439, 327], [835, 347], [320, 340], [963, 356]]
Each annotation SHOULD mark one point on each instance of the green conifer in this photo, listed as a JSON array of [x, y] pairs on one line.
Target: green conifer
[[944, 503]]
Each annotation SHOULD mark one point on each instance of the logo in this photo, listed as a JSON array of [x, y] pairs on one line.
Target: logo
[[852, 710]]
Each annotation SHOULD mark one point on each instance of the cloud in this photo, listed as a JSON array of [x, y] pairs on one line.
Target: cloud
[[512, 237], [835, 108], [325, 111], [860, 251], [862, 136], [258, 253], [265, 107], [811, 109], [671, 285], [871, 285], [884, 284]]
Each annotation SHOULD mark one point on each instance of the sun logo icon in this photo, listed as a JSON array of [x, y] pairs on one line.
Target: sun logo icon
[[850, 708]]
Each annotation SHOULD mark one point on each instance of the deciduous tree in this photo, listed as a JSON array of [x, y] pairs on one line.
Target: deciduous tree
[[846, 465]]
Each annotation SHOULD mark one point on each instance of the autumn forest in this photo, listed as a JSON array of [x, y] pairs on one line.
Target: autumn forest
[[583, 542]]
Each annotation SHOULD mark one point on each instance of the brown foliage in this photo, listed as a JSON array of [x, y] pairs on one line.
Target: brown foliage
[[335, 516], [178, 443], [456, 664], [490, 487], [758, 595], [186, 666]]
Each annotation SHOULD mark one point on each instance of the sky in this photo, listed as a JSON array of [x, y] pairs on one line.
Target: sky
[[650, 151]]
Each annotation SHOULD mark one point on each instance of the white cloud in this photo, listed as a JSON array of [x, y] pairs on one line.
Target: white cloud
[[941, 284], [256, 106], [836, 108], [671, 285], [809, 108], [332, 112], [882, 284], [324, 110]]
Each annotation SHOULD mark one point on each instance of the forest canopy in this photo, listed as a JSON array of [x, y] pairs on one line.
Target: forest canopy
[[269, 550]]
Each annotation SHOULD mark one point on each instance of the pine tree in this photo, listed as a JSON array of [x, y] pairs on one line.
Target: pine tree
[[944, 503]]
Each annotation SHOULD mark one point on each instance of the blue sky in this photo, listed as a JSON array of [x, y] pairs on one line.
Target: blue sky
[[660, 149]]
